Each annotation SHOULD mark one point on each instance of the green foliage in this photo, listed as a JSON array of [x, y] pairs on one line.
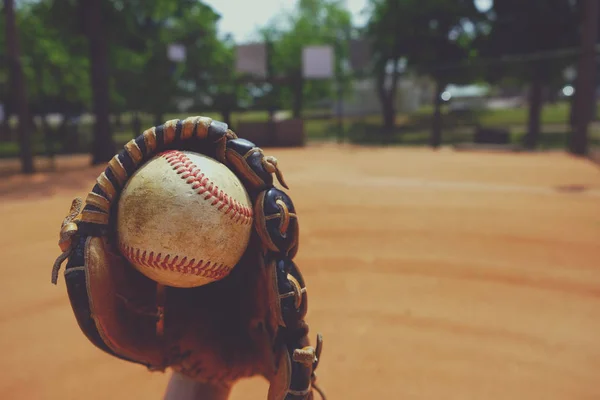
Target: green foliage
[[447, 40], [56, 56], [534, 39], [435, 37], [206, 77], [210, 62], [532, 34], [53, 61], [140, 58], [313, 22]]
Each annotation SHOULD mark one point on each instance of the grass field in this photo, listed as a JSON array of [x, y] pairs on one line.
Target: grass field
[[412, 129], [432, 275]]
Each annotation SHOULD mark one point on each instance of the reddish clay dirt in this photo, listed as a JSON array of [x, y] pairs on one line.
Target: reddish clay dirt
[[432, 275]]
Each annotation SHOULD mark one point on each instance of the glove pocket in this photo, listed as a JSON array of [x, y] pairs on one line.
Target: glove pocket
[[115, 306]]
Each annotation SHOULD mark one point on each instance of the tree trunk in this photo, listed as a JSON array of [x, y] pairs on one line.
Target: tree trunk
[[586, 80], [5, 131], [18, 89], [387, 98], [68, 142], [103, 148], [298, 97], [436, 123], [47, 131], [573, 109], [49, 135], [535, 110], [389, 112], [158, 119], [226, 114], [136, 125]]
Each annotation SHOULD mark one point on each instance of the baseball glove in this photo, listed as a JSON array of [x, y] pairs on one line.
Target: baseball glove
[[249, 323]]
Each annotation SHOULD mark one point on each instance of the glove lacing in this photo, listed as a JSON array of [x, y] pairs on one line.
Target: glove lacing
[[67, 231]]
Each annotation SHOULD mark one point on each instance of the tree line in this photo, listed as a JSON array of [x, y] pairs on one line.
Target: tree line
[[109, 57]]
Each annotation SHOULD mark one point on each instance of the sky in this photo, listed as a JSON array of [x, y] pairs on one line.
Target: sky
[[242, 18]]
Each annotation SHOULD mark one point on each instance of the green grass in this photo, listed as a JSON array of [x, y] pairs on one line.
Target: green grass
[[11, 149], [411, 129], [459, 127], [552, 113], [551, 136]]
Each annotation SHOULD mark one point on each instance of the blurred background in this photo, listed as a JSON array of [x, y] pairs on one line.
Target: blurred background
[[87, 76]]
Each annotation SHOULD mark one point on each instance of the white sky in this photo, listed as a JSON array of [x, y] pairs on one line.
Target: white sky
[[242, 18]]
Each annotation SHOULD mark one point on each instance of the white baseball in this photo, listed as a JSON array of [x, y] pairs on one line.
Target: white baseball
[[184, 219]]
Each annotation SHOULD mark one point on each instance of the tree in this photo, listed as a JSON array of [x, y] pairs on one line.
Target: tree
[[586, 80], [56, 64], [209, 66], [112, 56], [442, 49], [95, 28], [433, 37], [533, 34], [120, 38], [314, 22], [18, 88], [90, 19], [225, 92], [141, 60], [5, 98], [386, 33]]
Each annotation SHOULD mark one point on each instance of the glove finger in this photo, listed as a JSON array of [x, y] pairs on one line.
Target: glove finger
[[276, 221], [291, 304], [247, 161]]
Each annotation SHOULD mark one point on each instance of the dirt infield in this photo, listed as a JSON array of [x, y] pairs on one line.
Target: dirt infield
[[432, 275]]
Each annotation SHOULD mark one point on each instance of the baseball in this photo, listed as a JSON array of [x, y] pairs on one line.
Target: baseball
[[184, 219]]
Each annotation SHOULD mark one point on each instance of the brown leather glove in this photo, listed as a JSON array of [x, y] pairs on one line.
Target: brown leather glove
[[249, 323]]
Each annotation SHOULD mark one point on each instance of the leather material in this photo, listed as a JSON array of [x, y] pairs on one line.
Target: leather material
[[274, 210], [216, 131], [224, 343], [293, 302], [249, 323], [122, 304], [278, 390], [246, 159]]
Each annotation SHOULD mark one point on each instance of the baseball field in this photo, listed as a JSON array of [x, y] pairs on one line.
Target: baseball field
[[431, 275]]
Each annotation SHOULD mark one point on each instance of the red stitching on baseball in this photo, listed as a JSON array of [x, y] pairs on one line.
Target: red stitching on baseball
[[184, 266], [192, 175]]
